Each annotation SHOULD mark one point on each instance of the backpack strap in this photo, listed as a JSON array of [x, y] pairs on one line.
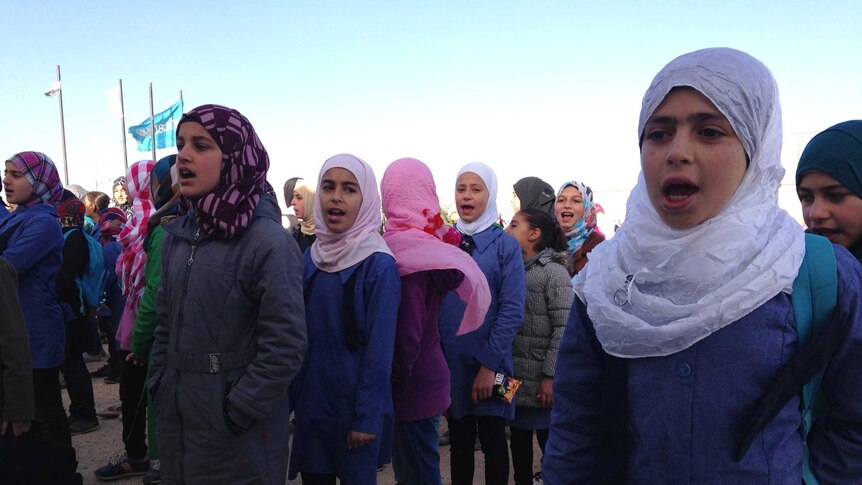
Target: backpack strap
[[815, 293]]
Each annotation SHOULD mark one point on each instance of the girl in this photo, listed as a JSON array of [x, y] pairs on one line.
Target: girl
[[302, 195], [683, 319], [292, 220], [122, 199], [30, 239], [829, 185], [475, 358], [352, 291], [230, 334], [576, 214], [533, 192], [429, 268], [534, 350]]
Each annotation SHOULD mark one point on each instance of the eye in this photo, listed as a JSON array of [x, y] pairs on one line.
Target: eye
[[805, 197], [836, 197], [711, 133], [657, 135]]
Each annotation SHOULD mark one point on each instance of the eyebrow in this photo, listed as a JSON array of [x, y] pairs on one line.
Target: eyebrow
[[692, 118], [836, 186]]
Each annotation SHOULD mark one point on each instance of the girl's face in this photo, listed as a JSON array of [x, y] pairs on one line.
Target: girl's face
[[340, 199], [526, 236], [120, 194], [829, 209], [199, 161], [569, 208], [516, 202], [471, 196], [298, 204], [691, 158], [16, 185]]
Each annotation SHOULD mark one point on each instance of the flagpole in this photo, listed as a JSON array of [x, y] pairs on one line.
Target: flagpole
[[123, 125], [63, 130], [152, 123]]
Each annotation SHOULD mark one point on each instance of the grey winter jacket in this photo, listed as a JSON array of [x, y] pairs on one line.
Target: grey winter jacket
[[229, 340], [549, 298]]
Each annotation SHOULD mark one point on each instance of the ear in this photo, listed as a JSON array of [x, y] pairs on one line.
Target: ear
[[534, 235]]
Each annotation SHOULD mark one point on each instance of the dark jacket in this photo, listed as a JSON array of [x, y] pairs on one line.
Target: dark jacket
[[16, 375], [580, 258], [229, 340]]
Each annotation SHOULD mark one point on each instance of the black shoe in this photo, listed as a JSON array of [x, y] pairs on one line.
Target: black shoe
[[153, 475], [104, 371], [81, 426], [122, 466], [114, 378]]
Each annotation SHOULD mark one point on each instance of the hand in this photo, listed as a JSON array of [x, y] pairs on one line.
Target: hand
[[18, 428], [135, 360], [546, 392], [355, 439], [483, 385]]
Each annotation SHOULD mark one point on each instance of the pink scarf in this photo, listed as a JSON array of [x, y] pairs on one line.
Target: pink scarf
[[421, 242], [131, 263]]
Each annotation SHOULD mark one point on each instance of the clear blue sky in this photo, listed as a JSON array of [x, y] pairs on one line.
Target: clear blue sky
[[540, 88]]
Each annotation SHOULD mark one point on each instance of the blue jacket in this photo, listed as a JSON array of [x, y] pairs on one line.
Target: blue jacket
[[35, 249], [681, 414], [499, 257], [339, 390]]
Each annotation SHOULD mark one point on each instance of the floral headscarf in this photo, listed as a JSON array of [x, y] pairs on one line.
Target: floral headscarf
[[70, 211], [42, 175], [128, 206], [587, 223], [227, 211]]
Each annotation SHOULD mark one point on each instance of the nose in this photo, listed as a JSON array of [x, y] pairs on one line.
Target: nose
[[679, 150], [818, 211]]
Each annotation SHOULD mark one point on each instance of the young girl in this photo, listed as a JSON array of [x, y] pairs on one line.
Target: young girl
[[429, 268], [683, 319], [534, 350], [230, 334], [476, 357], [829, 185], [352, 291], [30, 239], [121, 198], [576, 214], [303, 205]]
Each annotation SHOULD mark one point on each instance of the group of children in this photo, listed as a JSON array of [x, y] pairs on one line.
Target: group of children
[[641, 359]]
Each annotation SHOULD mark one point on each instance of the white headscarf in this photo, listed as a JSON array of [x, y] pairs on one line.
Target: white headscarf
[[333, 252], [489, 216], [653, 290]]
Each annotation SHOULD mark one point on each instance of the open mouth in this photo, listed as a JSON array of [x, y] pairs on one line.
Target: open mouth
[[185, 174], [677, 194]]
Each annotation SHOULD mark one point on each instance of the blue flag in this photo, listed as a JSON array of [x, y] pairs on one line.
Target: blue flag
[[166, 129]]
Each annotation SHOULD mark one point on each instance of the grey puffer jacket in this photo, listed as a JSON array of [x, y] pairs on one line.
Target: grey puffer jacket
[[229, 340], [549, 298]]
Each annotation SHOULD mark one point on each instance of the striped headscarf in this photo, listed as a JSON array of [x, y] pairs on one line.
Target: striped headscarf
[[227, 211], [130, 264], [587, 223], [164, 193], [70, 210], [105, 218], [42, 175]]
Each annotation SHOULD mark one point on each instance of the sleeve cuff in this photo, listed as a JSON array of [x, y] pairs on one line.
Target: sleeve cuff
[[367, 424], [490, 359]]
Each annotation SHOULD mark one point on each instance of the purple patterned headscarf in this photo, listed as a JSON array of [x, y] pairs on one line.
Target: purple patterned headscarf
[[42, 175], [227, 211]]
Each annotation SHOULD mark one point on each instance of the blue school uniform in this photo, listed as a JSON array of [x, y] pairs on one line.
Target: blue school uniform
[[35, 248], [339, 390], [499, 257], [682, 413]]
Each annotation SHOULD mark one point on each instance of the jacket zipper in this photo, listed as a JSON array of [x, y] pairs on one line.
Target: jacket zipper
[[179, 333]]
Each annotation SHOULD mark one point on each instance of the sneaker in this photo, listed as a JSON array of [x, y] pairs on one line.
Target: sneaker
[[444, 440], [110, 412], [114, 378], [153, 475], [104, 371], [81, 426], [122, 466]]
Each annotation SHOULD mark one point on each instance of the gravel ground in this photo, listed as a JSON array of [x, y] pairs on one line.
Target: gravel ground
[[95, 449]]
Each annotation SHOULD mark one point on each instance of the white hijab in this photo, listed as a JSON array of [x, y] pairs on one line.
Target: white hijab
[[653, 290], [333, 252], [489, 216]]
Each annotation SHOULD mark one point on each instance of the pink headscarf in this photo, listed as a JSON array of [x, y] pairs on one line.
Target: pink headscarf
[[415, 233], [131, 263], [333, 252]]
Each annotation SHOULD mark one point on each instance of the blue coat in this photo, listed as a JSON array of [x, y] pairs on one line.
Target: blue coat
[[682, 413], [499, 257], [342, 391], [35, 249]]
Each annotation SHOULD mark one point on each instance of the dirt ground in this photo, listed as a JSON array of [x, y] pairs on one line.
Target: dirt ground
[[95, 449]]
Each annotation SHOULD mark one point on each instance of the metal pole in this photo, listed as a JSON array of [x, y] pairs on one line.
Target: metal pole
[[63, 131], [152, 123], [123, 125]]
